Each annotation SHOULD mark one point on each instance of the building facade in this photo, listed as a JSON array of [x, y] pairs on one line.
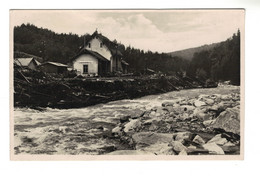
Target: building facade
[[98, 56]]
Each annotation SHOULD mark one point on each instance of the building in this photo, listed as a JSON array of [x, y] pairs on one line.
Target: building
[[53, 67], [30, 63], [98, 56]]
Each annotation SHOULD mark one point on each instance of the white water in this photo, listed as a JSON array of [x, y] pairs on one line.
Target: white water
[[40, 123]]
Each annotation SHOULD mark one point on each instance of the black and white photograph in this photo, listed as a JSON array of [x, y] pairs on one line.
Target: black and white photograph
[[129, 84]]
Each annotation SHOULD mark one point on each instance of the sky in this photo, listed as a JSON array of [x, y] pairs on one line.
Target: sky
[[154, 30]]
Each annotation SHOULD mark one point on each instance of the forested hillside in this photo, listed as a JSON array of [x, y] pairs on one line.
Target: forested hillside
[[217, 62], [188, 53], [45, 43], [61, 47], [220, 63]]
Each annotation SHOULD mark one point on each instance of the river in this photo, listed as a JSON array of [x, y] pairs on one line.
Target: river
[[88, 130]]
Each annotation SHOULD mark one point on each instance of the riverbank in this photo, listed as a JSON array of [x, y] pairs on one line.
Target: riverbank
[[185, 122], [35, 89]]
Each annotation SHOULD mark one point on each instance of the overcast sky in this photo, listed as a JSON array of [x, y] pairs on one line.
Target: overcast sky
[[161, 30]]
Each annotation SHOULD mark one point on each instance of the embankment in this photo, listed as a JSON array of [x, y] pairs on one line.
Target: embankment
[[36, 89]]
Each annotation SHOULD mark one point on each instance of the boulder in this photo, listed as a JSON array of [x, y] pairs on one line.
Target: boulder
[[165, 104], [124, 119], [197, 139], [116, 130], [136, 113], [208, 101], [183, 152], [145, 139], [203, 116], [213, 108], [229, 120], [160, 149], [213, 148], [130, 152], [178, 146], [207, 123], [218, 140], [132, 125], [182, 136], [198, 103]]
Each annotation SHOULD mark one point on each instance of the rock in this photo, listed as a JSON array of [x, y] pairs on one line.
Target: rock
[[116, 130], [208, 101], [182, 136], [153, 127], [198, 103], [145, 139], [229, 144], [197, 139], [124, 119], [231, 149], [184, 116], [229, 120], [226, 97], [165, 104], [162, 111], [130, 152], [160, 149], [218, 140], [187, 108], [207, 123], [213, 148], [202, 96], [183, 152], [132, 125], [136, 113], [177, 146], [152, 114], [192, 147], [203, 116], [213, 108]]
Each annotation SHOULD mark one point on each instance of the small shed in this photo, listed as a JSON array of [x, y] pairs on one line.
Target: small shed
[[53, 67], [27, 62]]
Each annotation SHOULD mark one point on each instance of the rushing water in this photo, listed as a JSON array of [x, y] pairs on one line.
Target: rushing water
[[86, 130]]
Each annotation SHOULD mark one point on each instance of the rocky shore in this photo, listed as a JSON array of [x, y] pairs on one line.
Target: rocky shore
[[207, 124]]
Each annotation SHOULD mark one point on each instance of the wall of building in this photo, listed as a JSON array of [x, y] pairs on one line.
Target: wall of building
[[95, 46], [86, 59], [32, 65], [48, 68]]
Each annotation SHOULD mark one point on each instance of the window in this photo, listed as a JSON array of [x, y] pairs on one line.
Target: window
[[101, 45], [89, 45], [85, 68]]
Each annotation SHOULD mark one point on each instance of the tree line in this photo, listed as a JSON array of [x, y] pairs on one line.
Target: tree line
[[219, 63]]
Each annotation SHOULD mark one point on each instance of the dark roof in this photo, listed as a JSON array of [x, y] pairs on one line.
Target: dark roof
[[93, 53], [116, 52], [54, 63]]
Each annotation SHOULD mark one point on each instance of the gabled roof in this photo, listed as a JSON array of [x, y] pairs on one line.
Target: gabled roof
[[24, 62], [54, 63], [93, 53], [112, 46]]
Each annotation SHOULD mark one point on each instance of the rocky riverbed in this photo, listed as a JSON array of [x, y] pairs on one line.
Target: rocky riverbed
[[186, 122]]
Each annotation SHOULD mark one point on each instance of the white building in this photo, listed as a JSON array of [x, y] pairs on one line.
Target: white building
[[98, 56]]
